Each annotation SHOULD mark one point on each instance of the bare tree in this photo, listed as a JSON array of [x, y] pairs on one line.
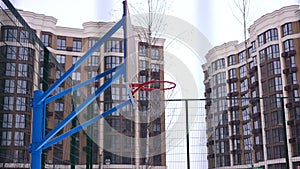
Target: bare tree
[[243, 7], [149, 14]]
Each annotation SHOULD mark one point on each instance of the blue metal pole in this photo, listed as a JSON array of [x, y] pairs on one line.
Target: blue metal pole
[[37, 130], [85, 124]]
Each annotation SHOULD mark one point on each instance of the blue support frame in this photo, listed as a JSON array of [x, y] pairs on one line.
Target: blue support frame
[[41, 99]]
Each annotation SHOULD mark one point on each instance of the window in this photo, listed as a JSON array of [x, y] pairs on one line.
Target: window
[[7, 120], [143, 79], [111, 62], [19, 138], [9, 86], [231, 60], [20, 121], [6, 138], [25, 37], [143, 95], [61, 59], [115, 93], [257, 124], [142, 49], [220, 63], [242, 57], [61, 43], [244, 85], [58, 74], [275, 84], [243, 71], [10, 69], [245, 99], [288, 45], [21, 104], [59, 106], [255, 109], [155, 67], [91, 74], [113, 46], [155, 53], [24, 53], [253, 48], [277, 135], [143, 65], [93, 60], [246, 114], [22, 87], [76, 58], [234, 101], [11, 52], [76, 76], [274, 68], [234, 115], [92, 42], [271, 35], [273, 51], [261, 40], [8, 103], [236, 144], [232, 73], [156, 127], [247, 128], [277, 118], [233, 87], [10, 34], [248, 142], [77, 45], [262, 56], [290, 62], [23, 70], [287, 29], [278, 84], [47, 39]]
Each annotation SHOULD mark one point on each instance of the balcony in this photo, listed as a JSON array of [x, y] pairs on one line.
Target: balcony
[[292, 140], [293, 69], [284, 54], [289, 105], [69, 48], [256, 131], [286, 71], [255, 115], [290, 122], [232, 80], [234, 122], [208, 90], [254, 85], [258, 147], [291, 53], [155, 74], [232, 94], [143, 73], [287, 88], [253, 70]]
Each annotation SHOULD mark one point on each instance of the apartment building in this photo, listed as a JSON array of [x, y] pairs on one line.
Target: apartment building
[[253, 96], [25, 67]]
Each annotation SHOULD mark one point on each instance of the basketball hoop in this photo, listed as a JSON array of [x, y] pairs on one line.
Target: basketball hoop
[[151, 85]]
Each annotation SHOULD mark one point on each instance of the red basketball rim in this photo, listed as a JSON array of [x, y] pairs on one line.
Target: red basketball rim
[[137, 86]]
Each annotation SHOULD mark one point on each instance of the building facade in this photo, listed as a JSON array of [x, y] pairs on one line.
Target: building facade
[[253, 96], [112, 142]]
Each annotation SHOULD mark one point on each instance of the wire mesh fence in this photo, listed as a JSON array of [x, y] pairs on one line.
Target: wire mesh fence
[[27, 65]]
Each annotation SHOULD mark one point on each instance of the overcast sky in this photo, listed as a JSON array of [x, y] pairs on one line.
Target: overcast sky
[[213, 17]]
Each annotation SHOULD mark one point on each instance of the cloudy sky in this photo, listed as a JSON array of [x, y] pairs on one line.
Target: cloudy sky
[[213, 17]]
